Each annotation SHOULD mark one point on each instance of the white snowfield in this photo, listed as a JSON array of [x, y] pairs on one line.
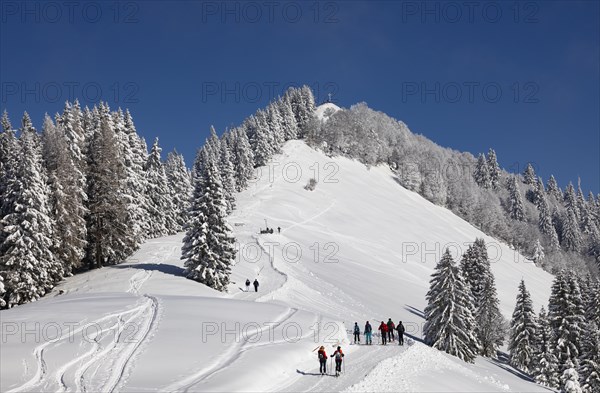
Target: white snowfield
[[359, 247]]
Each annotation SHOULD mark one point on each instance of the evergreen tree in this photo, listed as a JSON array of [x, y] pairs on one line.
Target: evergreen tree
[[570, 379], [529, 176], [262, 141], [67, 198], [491, 326], [242, 158], [208, 248], [180, 185], [570, 201], [450, 325], [162, 212], [554, 189], [482, 174], [515, 201], [571, 236], [590, 360], [564, 314], [545, 223], [109, 234], [545, 364], [27, 264], [522, 331], [135, 153], [227, 176], [475, 269], [493, 168], [288, 120], [538, 253], [8, 163], [275, 124]]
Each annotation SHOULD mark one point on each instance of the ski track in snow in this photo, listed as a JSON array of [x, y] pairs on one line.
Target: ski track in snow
[[228, 357]]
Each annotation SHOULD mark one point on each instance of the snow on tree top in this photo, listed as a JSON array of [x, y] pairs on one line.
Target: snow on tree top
[[325, 110]]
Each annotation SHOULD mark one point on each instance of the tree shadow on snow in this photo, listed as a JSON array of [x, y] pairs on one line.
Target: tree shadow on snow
[[414, 311], [502, 362], [159, 267]]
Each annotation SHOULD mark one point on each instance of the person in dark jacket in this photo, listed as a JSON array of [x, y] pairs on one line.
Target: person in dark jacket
[[338, 354], [247, 285], [256, 285], [383, 329], [356, 333], [322, 360], [368, 333], [400, 330], [391, 327]]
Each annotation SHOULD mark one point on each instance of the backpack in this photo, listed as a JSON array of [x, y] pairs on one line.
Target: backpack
[[401, 328], [338, 355], [321, 355], [356, 329]]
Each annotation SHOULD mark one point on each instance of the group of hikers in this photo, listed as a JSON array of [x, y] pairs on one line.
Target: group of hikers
[[255, 285], [386, 329], [269, 230], [387, 336]]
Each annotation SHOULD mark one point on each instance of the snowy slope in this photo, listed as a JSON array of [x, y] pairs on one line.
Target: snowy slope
[[354, 249]]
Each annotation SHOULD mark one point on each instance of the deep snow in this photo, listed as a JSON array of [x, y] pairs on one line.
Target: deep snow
[[359, 247]]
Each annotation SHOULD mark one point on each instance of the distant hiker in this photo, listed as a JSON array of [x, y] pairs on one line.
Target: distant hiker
[[247, 285], [256, 285], [271, 231], [383, 329], [338, 354], [391, 327], [400, 330], [368, 333], [322, 360], [278, 229], [356, 333]]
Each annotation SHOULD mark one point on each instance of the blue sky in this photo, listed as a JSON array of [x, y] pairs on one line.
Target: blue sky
[[521, 77]]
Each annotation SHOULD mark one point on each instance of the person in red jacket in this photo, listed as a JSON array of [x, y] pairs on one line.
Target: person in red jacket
[[322, 360], [383, 329]]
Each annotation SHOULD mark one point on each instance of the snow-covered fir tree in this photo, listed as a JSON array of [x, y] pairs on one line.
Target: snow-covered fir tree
[[208, 248], [242, 158], [538, 253], [163, 215], [570, 201], [553, 189], [515, 201], [67, 197], [135, 153], [482, 173], [290, 126], [261, 139], [523, 326], [570, 379], [275, 124], [589, 370], [571, 236], [545, 364], [493, 168], [564, 315], [180, 185], [226, 171], [491, 325], [450, 325], [109, 233], [27, 263], [545, 223], [529, 176], [8, 163]]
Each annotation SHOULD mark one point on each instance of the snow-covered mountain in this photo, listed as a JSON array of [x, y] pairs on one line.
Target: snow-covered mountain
[[358, 247]]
